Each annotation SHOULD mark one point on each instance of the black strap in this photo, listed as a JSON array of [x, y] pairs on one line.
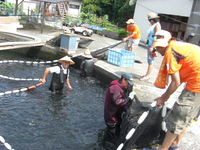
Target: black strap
[[62, 74]]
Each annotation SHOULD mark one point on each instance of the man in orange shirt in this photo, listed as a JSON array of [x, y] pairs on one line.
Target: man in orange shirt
[[133, 38], [181, 62]]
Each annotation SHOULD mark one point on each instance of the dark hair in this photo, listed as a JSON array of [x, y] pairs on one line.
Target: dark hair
[[120, 80]]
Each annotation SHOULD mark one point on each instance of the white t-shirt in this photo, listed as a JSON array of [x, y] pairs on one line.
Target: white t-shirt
[[56, 69]]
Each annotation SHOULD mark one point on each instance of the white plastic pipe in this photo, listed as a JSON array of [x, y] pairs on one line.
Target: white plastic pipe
[[143, 117], [164, 111], [120, 146], [8, 146], [130, 133], [163, 125], [8, 92], [153, 104], [2, 140], [1, 94]]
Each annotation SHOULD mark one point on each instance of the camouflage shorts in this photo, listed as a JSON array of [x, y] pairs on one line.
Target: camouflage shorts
[[183, 112]]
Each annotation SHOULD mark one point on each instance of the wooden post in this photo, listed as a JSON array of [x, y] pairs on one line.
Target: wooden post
[[39, 13], [16, 7], [43, 15]]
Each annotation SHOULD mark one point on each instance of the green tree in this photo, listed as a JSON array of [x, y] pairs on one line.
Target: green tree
[[91, 6], [126, 12], [6, 8], [115, 10], [118, 11], [106, 6]]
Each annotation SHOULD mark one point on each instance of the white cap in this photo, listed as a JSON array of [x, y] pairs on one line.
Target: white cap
[[161, 38], [130, 21], [87, 54]]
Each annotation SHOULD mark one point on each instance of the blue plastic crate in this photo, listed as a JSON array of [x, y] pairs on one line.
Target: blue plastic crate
[[121, 57]]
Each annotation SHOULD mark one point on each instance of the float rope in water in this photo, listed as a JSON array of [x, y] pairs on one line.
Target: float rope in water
[[19, 79], [23, 79], [21, 90], [2, 140], [28, 62], [25, 62]]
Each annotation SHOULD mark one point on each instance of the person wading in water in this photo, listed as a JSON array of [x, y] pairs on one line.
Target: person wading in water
[[60, 75]]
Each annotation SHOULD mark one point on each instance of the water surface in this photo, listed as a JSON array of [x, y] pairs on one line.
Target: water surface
[[40, 120]]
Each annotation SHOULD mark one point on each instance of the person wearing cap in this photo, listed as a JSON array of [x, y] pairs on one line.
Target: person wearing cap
[[60, 75], [153, 18], [87, 65], [181, 62], [115, 100], [133, 38]]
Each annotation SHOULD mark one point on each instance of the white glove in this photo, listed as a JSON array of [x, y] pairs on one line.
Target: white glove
[[131, 95]]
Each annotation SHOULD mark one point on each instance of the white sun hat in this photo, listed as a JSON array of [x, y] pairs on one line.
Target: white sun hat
[[152, 15], [66, 58], [87, 54]]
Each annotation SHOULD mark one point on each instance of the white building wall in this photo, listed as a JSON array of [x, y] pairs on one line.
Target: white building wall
[[170, 7], [73, 11]]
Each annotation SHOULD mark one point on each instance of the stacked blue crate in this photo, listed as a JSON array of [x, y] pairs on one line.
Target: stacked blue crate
[[121, 57]]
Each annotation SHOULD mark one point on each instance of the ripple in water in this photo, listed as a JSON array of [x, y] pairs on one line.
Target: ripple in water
[[40, 120]]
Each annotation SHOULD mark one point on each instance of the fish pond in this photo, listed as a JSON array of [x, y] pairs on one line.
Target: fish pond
[[39, 120]]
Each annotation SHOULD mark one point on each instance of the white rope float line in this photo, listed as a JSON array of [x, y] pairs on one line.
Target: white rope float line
[[19, 79], [2, 140], [28, 62], [25, 62], [20, 90], [163, 114], [140, 120]]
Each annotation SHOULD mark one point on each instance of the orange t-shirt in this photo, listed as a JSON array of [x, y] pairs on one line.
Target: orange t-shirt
[[185, 58], [134, 29]]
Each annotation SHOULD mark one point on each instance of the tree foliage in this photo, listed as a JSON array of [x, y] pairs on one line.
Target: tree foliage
[[118, 11], [125, 11]]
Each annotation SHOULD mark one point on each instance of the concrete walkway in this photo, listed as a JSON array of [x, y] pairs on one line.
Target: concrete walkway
[[145, 90]]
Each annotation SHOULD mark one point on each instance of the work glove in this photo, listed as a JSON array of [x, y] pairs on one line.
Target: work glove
[[131, 95]]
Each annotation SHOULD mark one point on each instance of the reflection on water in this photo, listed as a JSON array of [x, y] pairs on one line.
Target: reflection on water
[[40, 120]]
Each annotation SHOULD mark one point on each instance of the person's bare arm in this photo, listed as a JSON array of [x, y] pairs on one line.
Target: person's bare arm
[[175, 83], [46, 72], [68, 83], [128, 37], [157, 28]]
